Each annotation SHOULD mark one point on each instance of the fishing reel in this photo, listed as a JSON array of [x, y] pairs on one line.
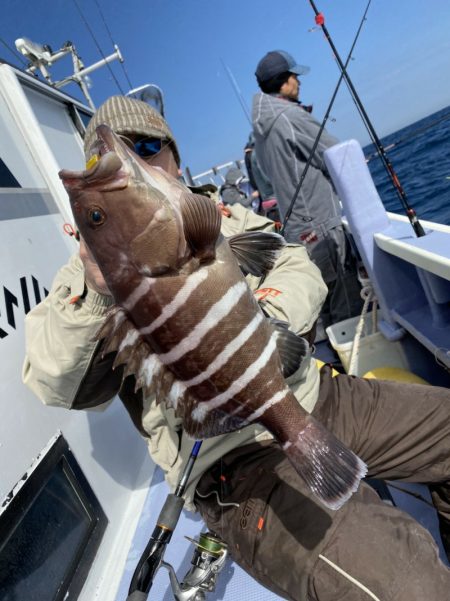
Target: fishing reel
[[207, 561]]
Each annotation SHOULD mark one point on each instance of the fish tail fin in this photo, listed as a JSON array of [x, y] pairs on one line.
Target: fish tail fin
[[329, 468]]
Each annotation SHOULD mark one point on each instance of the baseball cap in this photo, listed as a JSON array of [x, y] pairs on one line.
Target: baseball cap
[[276, 62], [129, 116]]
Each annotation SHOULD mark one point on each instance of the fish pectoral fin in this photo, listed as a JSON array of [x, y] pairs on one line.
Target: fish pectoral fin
[[201, 221], [293, 349], [256, 252]]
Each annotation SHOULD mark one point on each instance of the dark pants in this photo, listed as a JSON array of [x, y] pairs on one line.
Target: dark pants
[[333, 256], [294, 546]]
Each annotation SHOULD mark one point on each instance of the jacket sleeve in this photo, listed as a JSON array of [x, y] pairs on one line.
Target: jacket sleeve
[[61, 355], [293, 290]]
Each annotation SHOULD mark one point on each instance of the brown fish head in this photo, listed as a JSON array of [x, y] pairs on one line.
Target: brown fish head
[[127, 211]]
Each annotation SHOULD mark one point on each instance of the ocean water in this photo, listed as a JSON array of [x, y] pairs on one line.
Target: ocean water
[[420, 156]]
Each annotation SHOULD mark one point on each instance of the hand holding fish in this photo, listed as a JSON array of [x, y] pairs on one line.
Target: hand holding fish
[[185, 322]]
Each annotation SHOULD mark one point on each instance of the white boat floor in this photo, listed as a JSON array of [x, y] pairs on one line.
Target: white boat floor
[[233, 583]]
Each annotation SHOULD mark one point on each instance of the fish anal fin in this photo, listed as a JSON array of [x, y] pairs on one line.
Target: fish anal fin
[[213, 423], [256, 252], [201, 221]]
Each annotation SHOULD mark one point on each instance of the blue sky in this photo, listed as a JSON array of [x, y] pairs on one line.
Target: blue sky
[[401, 66]]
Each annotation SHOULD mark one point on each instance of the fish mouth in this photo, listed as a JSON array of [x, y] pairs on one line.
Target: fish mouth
[[104, 165], [104, 143]]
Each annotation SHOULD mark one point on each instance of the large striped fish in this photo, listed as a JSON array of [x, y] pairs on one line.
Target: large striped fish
[[185, 322]]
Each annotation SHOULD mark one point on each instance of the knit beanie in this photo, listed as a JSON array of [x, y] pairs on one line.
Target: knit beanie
[[129, 116]]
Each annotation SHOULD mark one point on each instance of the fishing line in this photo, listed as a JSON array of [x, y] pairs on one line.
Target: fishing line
[[412, 134], [410, 212], [98, 46], [322, 126], [112, 41]]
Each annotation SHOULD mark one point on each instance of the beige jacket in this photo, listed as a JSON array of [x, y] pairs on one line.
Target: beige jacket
[[63, 368]]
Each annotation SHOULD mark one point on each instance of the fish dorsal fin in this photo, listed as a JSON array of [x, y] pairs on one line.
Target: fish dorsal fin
[[256, 252], [293, 349], [202, 221], [121, 336], [113, 329]]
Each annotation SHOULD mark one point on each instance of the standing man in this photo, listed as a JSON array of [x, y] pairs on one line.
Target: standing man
[[285, 132]]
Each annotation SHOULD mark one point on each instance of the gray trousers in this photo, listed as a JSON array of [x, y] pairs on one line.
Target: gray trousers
[[286, 540]]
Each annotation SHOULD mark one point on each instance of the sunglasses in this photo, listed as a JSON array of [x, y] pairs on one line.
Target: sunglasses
[[146, 147]]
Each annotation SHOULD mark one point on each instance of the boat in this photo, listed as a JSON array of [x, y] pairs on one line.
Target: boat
[[80, 494]]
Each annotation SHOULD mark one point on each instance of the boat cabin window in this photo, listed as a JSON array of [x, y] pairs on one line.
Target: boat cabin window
[[50, 528], [7, 179], [58, 127]]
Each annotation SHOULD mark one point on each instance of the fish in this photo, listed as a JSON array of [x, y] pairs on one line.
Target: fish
[[185, 322]]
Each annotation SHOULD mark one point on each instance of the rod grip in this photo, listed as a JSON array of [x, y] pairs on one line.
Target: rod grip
[[170, 513]]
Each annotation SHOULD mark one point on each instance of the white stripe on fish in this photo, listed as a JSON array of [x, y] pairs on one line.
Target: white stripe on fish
[[276, 398], [192, 283], [217, 312], [227, 352], [199, 413], [138, 293]]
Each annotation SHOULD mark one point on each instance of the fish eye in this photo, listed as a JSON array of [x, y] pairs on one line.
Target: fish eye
[[96, 216]]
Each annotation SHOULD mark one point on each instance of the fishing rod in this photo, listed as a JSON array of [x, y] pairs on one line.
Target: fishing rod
[[322, 126], [410, 212], [237, 91], [152, 557]]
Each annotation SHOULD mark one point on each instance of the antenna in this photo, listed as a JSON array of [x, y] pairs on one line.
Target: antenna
[[42, 57]]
